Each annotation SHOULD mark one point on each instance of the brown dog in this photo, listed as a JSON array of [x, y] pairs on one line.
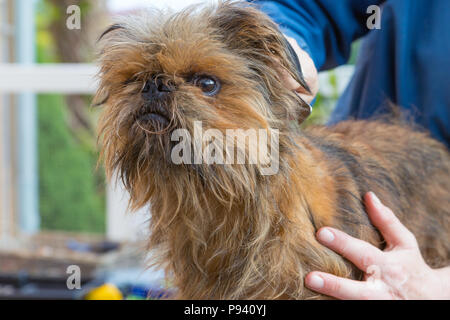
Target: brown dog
[[228, 231]]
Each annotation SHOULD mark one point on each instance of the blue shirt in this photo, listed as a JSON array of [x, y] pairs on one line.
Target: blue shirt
[[406, 62]]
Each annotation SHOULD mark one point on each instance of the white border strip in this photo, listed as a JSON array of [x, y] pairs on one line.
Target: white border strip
[[48, 78]]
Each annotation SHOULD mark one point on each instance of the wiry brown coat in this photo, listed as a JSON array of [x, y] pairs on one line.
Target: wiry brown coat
[[226, 231]]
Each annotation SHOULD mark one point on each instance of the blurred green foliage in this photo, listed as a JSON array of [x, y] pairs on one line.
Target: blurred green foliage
[[69, 199], [324, 104], [72, 190]]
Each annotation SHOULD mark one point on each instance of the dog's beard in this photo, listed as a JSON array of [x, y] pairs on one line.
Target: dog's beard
[[148, 142], [142, 156], [138, 144]]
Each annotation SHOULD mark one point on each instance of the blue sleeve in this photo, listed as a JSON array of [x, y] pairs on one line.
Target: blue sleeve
[[323, 28]]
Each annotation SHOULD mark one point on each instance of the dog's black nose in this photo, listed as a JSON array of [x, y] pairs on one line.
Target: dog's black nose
[[156, 88]]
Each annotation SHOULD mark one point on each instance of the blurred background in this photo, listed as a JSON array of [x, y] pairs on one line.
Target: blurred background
[[56, 209]]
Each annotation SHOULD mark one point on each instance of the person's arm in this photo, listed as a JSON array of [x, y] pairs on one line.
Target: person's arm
[[325, 29], [321, 33], [398, 272]]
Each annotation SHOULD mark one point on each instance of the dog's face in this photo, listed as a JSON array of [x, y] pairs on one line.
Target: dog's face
[[161, 72]]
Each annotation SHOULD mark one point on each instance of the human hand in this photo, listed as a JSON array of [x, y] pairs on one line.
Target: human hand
[[398, 272], [309, 71]]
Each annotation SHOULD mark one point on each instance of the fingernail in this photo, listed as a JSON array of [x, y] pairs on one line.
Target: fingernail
[[326, 236], [375, 200], [315, 282]]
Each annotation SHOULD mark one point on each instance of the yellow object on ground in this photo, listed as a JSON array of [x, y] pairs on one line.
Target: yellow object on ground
[[105, 292]]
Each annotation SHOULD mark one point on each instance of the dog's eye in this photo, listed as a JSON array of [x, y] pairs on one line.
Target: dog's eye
[[208, 84]]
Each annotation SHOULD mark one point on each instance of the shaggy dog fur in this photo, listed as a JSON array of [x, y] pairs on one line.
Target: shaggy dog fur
[[227, 231]]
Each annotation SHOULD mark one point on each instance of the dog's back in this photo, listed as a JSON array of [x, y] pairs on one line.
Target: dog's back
[[407, 169]]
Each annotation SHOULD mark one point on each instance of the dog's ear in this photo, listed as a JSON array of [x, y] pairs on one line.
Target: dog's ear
[[102, 94], [110, 29], [252, 34], [255, 35]]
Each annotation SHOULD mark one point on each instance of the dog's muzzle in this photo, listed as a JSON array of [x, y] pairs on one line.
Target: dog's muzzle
[[156, 94]]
